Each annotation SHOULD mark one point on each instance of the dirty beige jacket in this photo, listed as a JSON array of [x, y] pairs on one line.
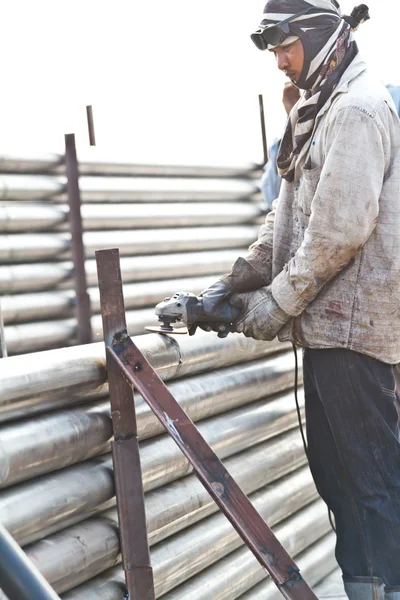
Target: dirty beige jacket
[[332, 242]]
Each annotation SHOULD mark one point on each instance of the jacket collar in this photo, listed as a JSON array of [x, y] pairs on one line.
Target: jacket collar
[[355, 69]]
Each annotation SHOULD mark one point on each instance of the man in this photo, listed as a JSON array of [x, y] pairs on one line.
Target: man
[[325, 274]]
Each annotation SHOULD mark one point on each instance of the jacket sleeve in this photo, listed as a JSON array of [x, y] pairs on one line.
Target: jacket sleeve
[[344, 208], [260, 253]]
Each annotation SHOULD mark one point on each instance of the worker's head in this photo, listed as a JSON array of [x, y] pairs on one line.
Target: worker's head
[[303, 34]]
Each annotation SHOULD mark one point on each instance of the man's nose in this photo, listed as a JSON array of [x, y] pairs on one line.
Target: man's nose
[[281, 59]]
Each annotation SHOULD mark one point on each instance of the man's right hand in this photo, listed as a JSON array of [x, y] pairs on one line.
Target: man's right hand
[[291, 95]]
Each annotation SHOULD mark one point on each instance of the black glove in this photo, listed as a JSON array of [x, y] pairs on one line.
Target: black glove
[[216, 305], [242, 278], [215, 296]]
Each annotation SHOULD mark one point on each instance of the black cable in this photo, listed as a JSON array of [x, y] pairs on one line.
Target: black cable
[[296, 385], [330, 515]]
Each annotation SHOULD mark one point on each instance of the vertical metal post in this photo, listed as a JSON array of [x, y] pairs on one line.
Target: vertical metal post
[[78, 252], [127, 469], [19, 578], [3, 347], [90, 120], [263, 130]]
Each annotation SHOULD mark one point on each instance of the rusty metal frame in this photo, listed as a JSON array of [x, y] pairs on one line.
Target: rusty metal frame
[[125, 447], [83, 309], [124, 357], [90, 120], [263, 128]]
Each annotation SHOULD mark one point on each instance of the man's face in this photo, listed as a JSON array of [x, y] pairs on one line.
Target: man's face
[[290, 59]]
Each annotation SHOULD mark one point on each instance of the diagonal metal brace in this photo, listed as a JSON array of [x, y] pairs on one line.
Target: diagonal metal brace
[[218, 482]]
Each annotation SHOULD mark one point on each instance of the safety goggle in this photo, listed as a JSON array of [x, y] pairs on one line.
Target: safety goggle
[[276, 34]]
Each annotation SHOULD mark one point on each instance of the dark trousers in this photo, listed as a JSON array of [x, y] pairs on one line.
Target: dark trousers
[[354, 455]]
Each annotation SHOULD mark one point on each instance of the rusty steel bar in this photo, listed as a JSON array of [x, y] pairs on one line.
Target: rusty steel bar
[[263, 129], [77, 249], [90, 120], [221, 486], [125, 448]]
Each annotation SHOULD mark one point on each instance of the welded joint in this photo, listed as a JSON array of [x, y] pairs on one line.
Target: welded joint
[[172, 427], [126, 438], [119, 338], [294, 578], [118, 342]]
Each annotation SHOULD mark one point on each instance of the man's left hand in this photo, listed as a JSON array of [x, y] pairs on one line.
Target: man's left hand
[[261, 317]]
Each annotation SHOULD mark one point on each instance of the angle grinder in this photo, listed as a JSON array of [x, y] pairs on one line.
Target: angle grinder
[[187, 308]]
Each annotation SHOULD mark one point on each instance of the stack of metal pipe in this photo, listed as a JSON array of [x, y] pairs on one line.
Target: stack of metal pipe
[[56, 478], [177, 227]]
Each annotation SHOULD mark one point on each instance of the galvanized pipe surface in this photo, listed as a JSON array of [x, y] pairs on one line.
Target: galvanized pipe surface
[[42, 506], [114, 168], [45, 335], [57, 303], [73, 374], [31, 217], [35, 277], [49, 246], [41, 163], [221, 580], [141, 189], [91, 547], [33, 247], [315, 563], [18, 218], [92, 435], [21, 308], [185, 555], [238, 571], [95, 162], [22, 187], [126, 189], [228, 433], [42, 444]]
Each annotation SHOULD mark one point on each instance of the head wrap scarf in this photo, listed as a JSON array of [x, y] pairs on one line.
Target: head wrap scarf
[[329, 48]]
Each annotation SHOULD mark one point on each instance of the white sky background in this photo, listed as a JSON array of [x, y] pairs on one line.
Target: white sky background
[[171, 81]]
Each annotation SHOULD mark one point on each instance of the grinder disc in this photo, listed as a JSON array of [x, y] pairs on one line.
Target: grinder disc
[[160, 329]]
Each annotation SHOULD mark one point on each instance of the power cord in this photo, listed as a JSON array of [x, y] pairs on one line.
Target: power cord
[[303, 437]]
